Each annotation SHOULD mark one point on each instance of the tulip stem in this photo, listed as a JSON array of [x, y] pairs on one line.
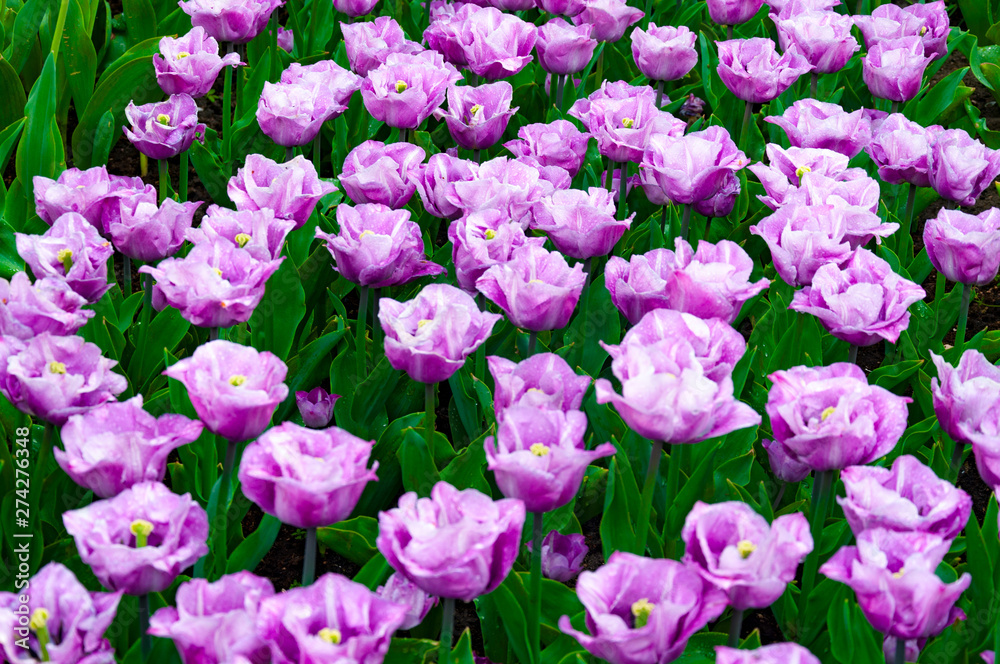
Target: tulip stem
[[182, 177], [317, 148], [376, 326], [610, 176], [478, 155], [956, 459], [813, 84], [735, 625], [535, 608], [677, 453], [227, 110], [532, 340], [560, 84], [963, 317], [646, 502], [685, 222], [147, 640], [127, 270], [894, 108], [289, 153], [900, 651], [309, 566], [213, 333], [659, 93], [164, 169], [729, 32], [852, 354], [822, 485], [911, 198], [447, 627], [275, 67], [745, 129], [622, 190], [600, 71], [360, 350], [429, 389]]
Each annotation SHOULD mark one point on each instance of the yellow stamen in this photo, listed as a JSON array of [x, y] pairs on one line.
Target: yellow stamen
[[827, 413], [39, 619], [802, 170], [241, 239], [535, 281], [57, 368], [539, 450], [237, 379], [475, 109], [182, 55], [745, 547], [422, 322], [923, 31], [163, 119], [401, 86], [364, 233], [641, 610], [628, 122], [141, 529], [330, 635], [490, 234], [218, 271], [65, 256]]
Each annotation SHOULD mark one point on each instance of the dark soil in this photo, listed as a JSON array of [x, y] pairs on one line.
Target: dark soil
[[970, 482]]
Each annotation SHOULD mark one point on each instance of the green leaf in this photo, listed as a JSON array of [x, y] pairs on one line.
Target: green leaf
[[277, 317], [12, 91], [40, 149], [977, 16], [852, 639], [79, 57], [253, 549], [374, 573], [10, 261], [353, 539], [505, 604], [420, 473], [409, 651], [165, 332], [701, 648], [621, 502], [26, 31], [461, 653], [307, 368], [140, 19], [211, 171], [894, 374]]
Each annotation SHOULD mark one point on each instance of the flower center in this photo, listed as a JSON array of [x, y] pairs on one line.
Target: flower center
[[237, 379], [745, 547], [401, 86], [802, 170], [330, 635], [422, 322], [65, 256], [182, 55], [241, 239], [57, 367], [628, 122], [218, 271], [141, 529], [163, 119], [641, 610], [535, 281], [364, 233], [827, 412], [39, 619], [490, 234], [539, 450], [38, 624], [923, 31]]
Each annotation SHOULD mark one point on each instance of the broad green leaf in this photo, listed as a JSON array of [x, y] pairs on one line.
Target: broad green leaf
[[253, 549]]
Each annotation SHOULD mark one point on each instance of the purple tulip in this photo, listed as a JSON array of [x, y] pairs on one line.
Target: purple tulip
[[543, 381], [692, 167], [140, 540], [447, 29], [861, 301], [233, 388], [894, 68], [481, 240], [53, 378], [291, 189], [378, 246], [893, 574], [433, 181], [557, 143], [306, 478], [71, 251], [539, 455], [624, 126], [733, 12], [190, 64], [989, 656], [967, 404], [149, 233], [83, 192], [399, 590], [960, 167], [936, 28], [510, 186], [753, 70], [430, 336], [292, 114], [512, 5], [964, 247], [217, 284], [327, 78], [664, 53], [257, 232], [856, 195], [455, 544], [375, 172], [405, 89], [909, 497], [901, 149], [497, 45], [368, 43], [930, 23], [562, 555], [620, 90], [786, 169], [236, 21], [643, 610], [123, 192], [537, 289], [556, 176], [286, 39], [829, 418], [581, 224], [214, 622], [804, 238], [118, 444], [164, 129], [48, 305], [712, 282], [816, 124], [823, 37], [355, 8], [564, 48], [333, 620], [316, 407], [776, 653], [789, 8], [724, 200], [563, 7], [74, 620], [676, 377], [477, 117], [610, 18]]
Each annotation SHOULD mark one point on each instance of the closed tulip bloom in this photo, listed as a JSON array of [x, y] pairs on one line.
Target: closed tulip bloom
[[400, 590], [331, 82], [291, 189], [258, 232], [753, 70], [447, 29], [539, 456], [610, 18], [961, 167], [214, 622], [907, 497], [53, 378], [190, 64], [74, 620], [512, 5], [355, 8], [71, 251], [930, 23], [964, 247], [861, 301], [581, 224], [149, 233], [140, 540], [332, 620], [776, 653], [894, 68], [989, 657], [237, 21], [127, 192], [118, 444], [510, 186], [164, 129], [536, 289], [304, 477], [557, 143], [664, 53], [564, 48], [901, 149], [430, 336], [478, 116], [824, 38], [564, 7], [316, 407], [405, 90], [936, 28], [375, 172], [457, 544], [724, 200], [816, 124], [83, 192], [234, 389], [692, 167], [893, 574], [562, 555], [292, 114], [829, 418], [642, 610], [378, 246], [286, 39], [804, 238], [434, 179], [497, 45], [733, 12], [542, 381], [712, 282], [368, 43], [784, 466], [48, 305], [788, 8], [481, 240]]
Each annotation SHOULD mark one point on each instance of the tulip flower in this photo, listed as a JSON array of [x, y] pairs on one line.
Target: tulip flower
[[71, 251], [964, 247], [286, 39], [430, 336], [610, 18], [405, 89], [497, 45], [557, 143], [753, 71], [564, 48], [164, 129], [355, 8], [257, 232], [237, 21], [145, 232], [140, 540], [642, 610], [190, 64], [835, 299], [804, 238], [823, 37], [907, 497], [291, 189], [481, 240], [49, 305], [690, 168], [733, 12], [368, 43], [316, 407], [123, 192], [623, 126], [829, 418], [562, 555], [543, 381], [712, 282], [936, 28], [581, 224], [118, 444], [477, 117], [53, 378], [894, 68], [563, 7], [776, 653], [88, 193], [215, 621], [446, 31], [292, 114], [374, 172], [234, 389], [930, 23], [901, 150], [960, 167], [60, 611], [724, 200], [664, 53], [433, 181], [455, 544], [816, 124], [399, 590], [510, 186], [328, 80]]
